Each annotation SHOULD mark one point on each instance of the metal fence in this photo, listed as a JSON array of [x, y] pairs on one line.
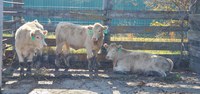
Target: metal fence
[[129, 22]]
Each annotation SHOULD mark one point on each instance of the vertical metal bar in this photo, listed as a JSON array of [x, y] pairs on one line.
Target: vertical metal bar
[[107, 6], [1, 38]]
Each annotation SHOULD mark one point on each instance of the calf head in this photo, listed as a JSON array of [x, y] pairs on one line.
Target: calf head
[[38, 36], [97, 30], [112, 50]]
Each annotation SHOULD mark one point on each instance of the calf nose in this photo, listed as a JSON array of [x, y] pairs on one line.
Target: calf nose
[[107, 57], [94, 39]]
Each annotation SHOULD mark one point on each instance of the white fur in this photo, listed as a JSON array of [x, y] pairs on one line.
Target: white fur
[[25, 46], [78, 36], [137, 61]]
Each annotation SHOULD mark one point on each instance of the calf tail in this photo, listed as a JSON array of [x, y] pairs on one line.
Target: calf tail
[[171, 64]]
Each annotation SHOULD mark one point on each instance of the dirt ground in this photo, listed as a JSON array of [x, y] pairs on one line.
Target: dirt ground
[[178, 82]]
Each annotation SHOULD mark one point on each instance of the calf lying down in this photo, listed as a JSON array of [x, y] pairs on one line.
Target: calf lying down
[[137, 62]]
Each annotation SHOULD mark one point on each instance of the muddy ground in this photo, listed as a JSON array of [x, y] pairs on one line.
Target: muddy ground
[[178, 82]]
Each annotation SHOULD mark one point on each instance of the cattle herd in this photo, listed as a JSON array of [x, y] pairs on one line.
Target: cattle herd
[[30, 40]]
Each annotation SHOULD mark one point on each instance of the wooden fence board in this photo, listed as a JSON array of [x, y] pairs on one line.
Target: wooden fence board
[[145, 29], [133, 29], [97, 14], [129, 14], [13, 9], [63, 14], [5, 30], [11, 2], [173, 46], [12, 13], [10, 23]]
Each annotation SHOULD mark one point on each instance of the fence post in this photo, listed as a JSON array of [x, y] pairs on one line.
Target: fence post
[[107, 7], [1, 38], [194, 35]]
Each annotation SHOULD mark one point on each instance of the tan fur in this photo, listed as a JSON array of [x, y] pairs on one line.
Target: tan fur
[[25, 46], [77, 36], [138, 61]]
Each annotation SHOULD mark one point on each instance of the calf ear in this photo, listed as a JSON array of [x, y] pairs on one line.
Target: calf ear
[[36, 20], [90, 27], [105, 27], [32, 35], [45, 32], [105, 45]]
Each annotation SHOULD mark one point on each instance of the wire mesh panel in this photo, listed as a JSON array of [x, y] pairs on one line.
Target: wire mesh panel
[[53, 5]]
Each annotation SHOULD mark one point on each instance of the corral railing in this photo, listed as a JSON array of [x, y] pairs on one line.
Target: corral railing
[[109, 15], [11, 22]]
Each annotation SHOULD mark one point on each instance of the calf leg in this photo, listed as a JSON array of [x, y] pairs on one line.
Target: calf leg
[[38, 61], [21, 62], [29, 68], [163, 74], [29, 62], [67, 57], [58, 54], [90, 63], [91, 55], [57, 61], [22, 66], [95, 66], [92, 66], [157, 72], [67, 61], [95, 63]]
